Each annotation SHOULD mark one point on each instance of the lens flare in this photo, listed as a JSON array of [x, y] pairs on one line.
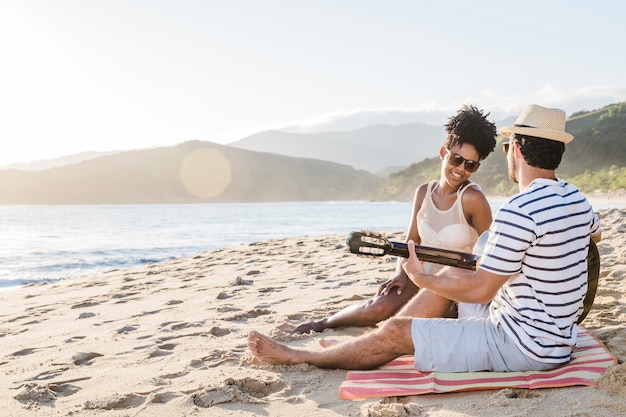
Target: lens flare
[[205, 173]]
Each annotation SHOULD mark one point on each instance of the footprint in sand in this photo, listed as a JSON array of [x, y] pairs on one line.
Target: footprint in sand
[[520, 393], [218, 331], [122, 297], [116, 402], [126, 329], [247, 390], [49, 374], [257, 312], [164, 397], [168, 346], [216, 358], [84, 304], [270, 289], [227, 309], [162, 350], [508, 396], [249, 315], [389, 407], [185, 325], [84, 358], [240, 281], [17, 318], [155, 353], [24, 352], [43, 394]]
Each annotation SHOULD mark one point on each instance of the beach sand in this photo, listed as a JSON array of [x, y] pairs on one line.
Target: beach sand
[[169, 339]]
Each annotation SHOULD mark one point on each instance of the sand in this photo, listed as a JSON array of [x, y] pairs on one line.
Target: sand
[[169, 339]]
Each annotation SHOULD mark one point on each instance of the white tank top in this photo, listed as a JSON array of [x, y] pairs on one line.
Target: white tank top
[[447, 229]]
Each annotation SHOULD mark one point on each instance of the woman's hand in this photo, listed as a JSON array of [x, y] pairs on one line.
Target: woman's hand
[[399, 282]]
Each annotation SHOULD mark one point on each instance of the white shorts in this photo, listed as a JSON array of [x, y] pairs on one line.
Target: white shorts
[[468, 344], [472, 310]]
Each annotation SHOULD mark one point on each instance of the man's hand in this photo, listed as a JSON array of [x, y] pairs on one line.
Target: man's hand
[[412, 265]]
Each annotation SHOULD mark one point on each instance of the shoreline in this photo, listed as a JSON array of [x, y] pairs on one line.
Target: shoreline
[[168, 338], [25, 265]]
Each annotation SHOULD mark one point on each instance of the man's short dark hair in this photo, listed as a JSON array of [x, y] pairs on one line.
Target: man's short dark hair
[[540, 152], [471, 126]]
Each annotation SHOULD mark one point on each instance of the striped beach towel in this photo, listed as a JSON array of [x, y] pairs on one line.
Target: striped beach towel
[[590, 360]]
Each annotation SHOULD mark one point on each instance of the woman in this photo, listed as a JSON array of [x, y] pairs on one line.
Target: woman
[[450, 213]]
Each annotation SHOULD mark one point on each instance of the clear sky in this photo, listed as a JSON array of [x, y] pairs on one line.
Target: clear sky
[[87, 75]]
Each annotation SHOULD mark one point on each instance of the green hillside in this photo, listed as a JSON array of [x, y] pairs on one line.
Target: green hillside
[[594, 161]]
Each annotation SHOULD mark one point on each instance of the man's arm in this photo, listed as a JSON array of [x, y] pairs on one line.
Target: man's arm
[[453, 283]]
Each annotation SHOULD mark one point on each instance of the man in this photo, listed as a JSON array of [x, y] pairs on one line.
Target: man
[[533, 273]]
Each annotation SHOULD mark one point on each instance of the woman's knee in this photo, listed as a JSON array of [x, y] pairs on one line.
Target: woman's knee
[[383, 307]]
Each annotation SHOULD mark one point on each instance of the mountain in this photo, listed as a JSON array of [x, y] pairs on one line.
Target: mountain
[[373, 148], [600, 139], [192, 172], [57, 162], [196, 171], [595, 160]]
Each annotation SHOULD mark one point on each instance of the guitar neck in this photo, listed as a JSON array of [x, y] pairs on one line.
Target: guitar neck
[[434, 255]]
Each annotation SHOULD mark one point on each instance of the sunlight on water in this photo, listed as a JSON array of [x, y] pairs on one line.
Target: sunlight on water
[[48, 243]]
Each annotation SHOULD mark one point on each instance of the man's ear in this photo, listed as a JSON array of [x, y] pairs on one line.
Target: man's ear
[[517, 150]]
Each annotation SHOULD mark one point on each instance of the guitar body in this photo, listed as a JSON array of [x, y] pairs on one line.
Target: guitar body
[[593, 277], [376, 244]]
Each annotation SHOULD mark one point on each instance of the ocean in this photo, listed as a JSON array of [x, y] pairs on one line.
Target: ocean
[[52, 243]]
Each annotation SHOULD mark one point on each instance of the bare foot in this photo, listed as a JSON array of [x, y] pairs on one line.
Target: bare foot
[[311, 326], [270, 351]]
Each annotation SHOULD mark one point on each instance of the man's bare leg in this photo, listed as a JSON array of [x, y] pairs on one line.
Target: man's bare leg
[[426, 304], [369, 351]]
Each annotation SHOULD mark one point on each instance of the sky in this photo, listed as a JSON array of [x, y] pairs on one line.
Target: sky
[[87, 75]]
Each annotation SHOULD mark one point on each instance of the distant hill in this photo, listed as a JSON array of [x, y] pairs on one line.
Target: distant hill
[[196, 171], [192, 172], [595, 160], [373, 148], [602, 143], [57, 162]]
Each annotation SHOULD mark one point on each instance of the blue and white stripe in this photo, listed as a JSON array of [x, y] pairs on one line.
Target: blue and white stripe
[[541, 238]]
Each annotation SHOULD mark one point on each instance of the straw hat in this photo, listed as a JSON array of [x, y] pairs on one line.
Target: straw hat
[[540, 122]]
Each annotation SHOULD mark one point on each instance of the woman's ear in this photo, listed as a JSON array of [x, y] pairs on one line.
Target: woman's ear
[[442, 152]]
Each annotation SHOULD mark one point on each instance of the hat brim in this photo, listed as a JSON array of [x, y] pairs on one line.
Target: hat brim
[[556, 135]]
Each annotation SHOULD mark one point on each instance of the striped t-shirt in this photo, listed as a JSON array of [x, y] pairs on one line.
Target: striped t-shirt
[[541, 238]]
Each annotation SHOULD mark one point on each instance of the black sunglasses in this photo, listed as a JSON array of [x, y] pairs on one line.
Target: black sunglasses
[[455, 160]]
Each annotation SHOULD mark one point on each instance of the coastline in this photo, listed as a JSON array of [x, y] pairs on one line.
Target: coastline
[[168, 338]]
